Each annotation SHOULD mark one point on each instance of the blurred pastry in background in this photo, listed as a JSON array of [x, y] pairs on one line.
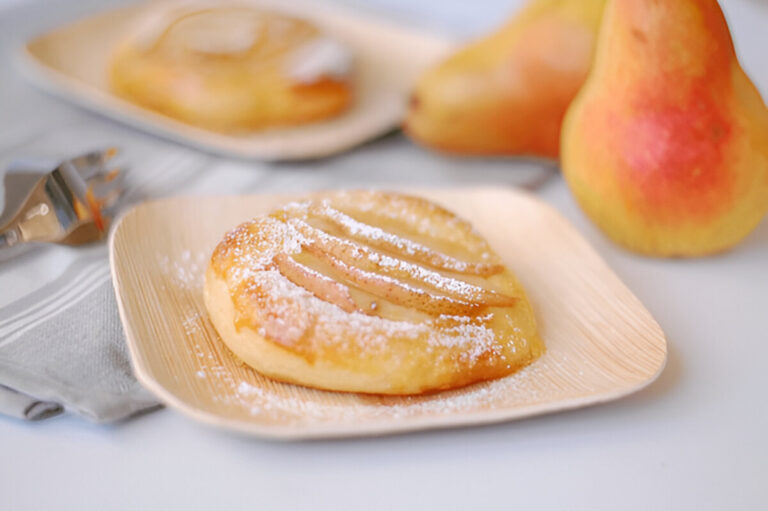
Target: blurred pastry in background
[[232, 67], [508, 92]]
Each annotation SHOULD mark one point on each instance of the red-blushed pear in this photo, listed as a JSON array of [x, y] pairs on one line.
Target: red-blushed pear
[[507, 93], [666, 145]]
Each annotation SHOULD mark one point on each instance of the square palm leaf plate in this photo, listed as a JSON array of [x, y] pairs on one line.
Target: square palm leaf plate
[[601, 342]]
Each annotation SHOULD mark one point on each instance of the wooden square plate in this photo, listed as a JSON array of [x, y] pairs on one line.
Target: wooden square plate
[[602, 343], [71, 62]]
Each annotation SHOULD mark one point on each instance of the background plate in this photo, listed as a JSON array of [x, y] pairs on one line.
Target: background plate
[[601, 342], [71, 62]]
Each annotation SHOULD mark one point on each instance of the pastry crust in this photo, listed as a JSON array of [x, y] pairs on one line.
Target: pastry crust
[[368, 292], [231, 67]]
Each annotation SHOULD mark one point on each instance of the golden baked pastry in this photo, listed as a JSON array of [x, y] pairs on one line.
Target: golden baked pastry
[[368, 292], [230, 67]]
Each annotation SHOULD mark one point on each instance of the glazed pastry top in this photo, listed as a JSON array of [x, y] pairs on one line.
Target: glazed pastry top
[[197, 29], [351, 273]]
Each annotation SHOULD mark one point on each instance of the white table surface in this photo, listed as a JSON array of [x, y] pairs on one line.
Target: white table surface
[[695, 439]]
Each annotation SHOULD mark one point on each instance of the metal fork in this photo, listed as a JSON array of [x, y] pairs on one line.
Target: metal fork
[[69, 205]]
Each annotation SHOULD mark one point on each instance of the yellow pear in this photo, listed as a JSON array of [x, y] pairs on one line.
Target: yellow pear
[[666, 145], [508, 93]]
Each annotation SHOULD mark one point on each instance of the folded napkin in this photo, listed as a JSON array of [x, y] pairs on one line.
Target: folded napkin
[[22, 406], [64, 345]]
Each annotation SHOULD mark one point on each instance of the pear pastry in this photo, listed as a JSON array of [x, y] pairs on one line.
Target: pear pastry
[[369, 292], [231, 67]]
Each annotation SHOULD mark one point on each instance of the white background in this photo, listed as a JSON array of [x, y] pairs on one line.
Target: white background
[[695, 439]]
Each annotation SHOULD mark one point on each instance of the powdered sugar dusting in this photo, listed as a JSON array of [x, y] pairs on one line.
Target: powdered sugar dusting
[[186, 270], [291, 404]]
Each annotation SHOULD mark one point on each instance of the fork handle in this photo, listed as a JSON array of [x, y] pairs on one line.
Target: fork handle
[[18, 188], [11, 245], [5, 241], [8, 239], [32, 165]]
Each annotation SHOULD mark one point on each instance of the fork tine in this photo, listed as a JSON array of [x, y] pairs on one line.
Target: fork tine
[[92, 163], [104, 183], [73, 180], [110, 199], [107, 176], [76, 196]]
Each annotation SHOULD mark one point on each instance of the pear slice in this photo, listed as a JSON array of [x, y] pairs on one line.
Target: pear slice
[[315, 282], [395, 291], [327, 246], [408, 249]]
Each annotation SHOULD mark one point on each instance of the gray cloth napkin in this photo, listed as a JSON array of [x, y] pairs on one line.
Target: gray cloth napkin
[[64, 345], [61, 342]]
